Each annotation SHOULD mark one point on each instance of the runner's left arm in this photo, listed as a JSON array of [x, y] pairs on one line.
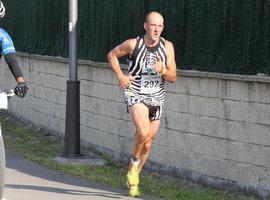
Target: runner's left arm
[[169, 71]]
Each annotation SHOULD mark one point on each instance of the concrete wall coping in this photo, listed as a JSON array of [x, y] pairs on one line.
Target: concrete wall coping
[[186, 73]]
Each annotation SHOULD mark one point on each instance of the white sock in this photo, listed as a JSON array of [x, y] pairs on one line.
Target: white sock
[[135, 161]]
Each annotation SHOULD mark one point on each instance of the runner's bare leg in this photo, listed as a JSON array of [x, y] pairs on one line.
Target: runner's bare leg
[[146, 131], [139, 114], [154, 127]]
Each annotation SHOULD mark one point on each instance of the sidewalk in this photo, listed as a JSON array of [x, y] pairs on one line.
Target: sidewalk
[[26, 180]]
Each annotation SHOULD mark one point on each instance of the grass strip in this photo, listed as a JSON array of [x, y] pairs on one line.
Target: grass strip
[[42, 148]]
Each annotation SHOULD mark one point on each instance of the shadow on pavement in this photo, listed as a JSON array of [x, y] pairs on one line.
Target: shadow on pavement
[[16, 162], [63, 191]]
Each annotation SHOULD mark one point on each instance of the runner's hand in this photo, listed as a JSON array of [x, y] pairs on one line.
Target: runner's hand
[[21, 89], [159, 65], [125, 81]]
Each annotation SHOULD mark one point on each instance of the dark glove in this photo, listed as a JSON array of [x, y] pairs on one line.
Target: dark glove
[[21, 89]]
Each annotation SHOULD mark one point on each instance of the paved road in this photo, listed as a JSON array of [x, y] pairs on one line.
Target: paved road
[[26, 180]]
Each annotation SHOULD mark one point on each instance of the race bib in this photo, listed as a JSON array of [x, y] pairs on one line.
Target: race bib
[[150, 84]]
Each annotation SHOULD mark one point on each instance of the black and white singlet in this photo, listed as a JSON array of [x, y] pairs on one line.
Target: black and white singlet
[[148, 86]]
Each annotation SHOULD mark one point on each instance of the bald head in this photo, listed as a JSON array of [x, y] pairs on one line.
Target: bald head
[[153, 15], [153, 26]]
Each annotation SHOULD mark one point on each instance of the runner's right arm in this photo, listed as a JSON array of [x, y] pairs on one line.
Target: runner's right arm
[[123, 49]]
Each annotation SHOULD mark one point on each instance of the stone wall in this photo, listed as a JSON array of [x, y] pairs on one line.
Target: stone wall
[[215, 128]]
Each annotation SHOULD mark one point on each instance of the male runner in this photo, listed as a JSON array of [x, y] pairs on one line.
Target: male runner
[[151, 63]]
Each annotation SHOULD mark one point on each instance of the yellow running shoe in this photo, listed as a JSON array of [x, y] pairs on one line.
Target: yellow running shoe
[[133, 175], [134, 191]]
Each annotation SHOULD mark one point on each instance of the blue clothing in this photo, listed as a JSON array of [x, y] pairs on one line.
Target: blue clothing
[[7, 43]]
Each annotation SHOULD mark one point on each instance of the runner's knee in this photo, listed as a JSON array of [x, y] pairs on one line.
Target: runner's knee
[[147, 146], [143, 133]]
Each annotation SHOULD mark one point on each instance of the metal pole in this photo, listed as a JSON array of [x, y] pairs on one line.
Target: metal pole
[[73, 17], [72, 128]]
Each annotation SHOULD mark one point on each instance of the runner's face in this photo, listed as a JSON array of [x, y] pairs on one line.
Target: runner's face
[[154, 27]]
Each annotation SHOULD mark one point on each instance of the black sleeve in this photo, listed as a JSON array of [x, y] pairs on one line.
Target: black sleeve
[[13, 64]]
